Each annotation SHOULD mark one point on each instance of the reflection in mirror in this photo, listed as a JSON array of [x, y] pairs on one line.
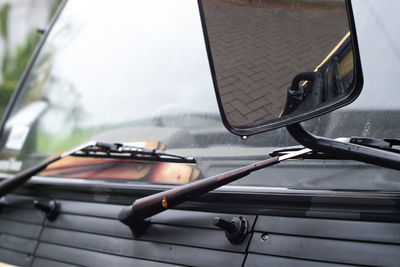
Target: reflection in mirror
[[277, 59]]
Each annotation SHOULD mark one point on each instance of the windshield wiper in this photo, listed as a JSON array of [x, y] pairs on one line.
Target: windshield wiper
[[363, 149], [97, 150], [135, 215]]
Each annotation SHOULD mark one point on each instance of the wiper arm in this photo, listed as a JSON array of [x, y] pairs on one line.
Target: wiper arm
[[382, 144], [98, 150], [346, 150], [8, 185], [134, 216]]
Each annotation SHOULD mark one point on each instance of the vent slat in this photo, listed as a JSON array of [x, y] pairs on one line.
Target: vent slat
[[329, 250], [40, 262], [140, 249], [198, 237], [19, 229], [265, 260], [336, 229], [17, 243], [90, 258], [13, 257], [19, 214]]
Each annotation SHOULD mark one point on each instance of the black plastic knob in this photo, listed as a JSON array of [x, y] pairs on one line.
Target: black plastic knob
[[51, 208], [235, 229]]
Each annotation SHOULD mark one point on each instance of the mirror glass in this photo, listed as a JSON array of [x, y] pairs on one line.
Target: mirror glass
[[274, 61]]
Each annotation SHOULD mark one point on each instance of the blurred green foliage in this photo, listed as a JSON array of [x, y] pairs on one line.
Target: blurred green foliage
[[14, 66], [4, 10], [5, 92]]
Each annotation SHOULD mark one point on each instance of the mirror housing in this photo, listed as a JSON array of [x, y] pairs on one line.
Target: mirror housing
[[268, 74]]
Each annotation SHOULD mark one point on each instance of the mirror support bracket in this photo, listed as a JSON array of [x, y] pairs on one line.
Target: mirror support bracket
[[344, 150]]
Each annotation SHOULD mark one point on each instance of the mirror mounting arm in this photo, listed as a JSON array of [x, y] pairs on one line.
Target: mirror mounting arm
[[344, 150]]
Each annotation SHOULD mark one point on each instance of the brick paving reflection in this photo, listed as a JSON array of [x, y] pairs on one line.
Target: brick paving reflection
[[259, 47]]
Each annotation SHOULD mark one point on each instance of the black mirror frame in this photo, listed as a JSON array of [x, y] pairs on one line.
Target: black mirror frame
[[356, 85]]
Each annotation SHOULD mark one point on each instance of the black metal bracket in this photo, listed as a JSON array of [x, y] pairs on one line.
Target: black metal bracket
[[138, 226], [235, 229], [344, 150], [51, 208]]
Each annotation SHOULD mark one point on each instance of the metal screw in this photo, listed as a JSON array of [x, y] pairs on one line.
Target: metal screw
[[264, 237]]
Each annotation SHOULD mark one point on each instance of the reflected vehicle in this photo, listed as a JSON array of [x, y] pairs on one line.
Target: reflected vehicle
[[171, 93]]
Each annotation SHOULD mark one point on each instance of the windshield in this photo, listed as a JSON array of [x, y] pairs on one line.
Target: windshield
[[138, 73]]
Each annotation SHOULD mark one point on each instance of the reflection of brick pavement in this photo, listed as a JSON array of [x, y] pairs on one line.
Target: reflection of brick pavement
[[259, 47]]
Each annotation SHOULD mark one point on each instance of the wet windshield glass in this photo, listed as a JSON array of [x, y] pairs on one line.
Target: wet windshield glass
[[138, 73]]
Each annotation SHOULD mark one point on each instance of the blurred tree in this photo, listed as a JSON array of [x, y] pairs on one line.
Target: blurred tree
[[13, 66], [12, 71], [5, 91], [4, 10]]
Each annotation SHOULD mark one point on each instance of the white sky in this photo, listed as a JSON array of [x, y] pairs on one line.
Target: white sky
[[378, 33], [137, 57]]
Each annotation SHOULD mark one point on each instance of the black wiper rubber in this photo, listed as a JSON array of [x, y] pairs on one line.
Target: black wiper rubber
[[97, 150], [384, 144], [120, 151]]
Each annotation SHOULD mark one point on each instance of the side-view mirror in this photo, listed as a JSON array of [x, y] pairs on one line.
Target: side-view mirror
[[276, 63]]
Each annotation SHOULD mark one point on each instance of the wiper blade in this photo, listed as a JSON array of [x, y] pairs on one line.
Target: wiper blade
[[120, 151], [94, 149], [384, 144]]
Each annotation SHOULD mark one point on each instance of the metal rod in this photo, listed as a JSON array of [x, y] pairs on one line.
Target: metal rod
[[146, 207], [343, 149], [10, 184]]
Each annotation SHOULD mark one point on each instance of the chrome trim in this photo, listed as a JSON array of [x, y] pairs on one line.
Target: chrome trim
[[227, 189], [294, 154]]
